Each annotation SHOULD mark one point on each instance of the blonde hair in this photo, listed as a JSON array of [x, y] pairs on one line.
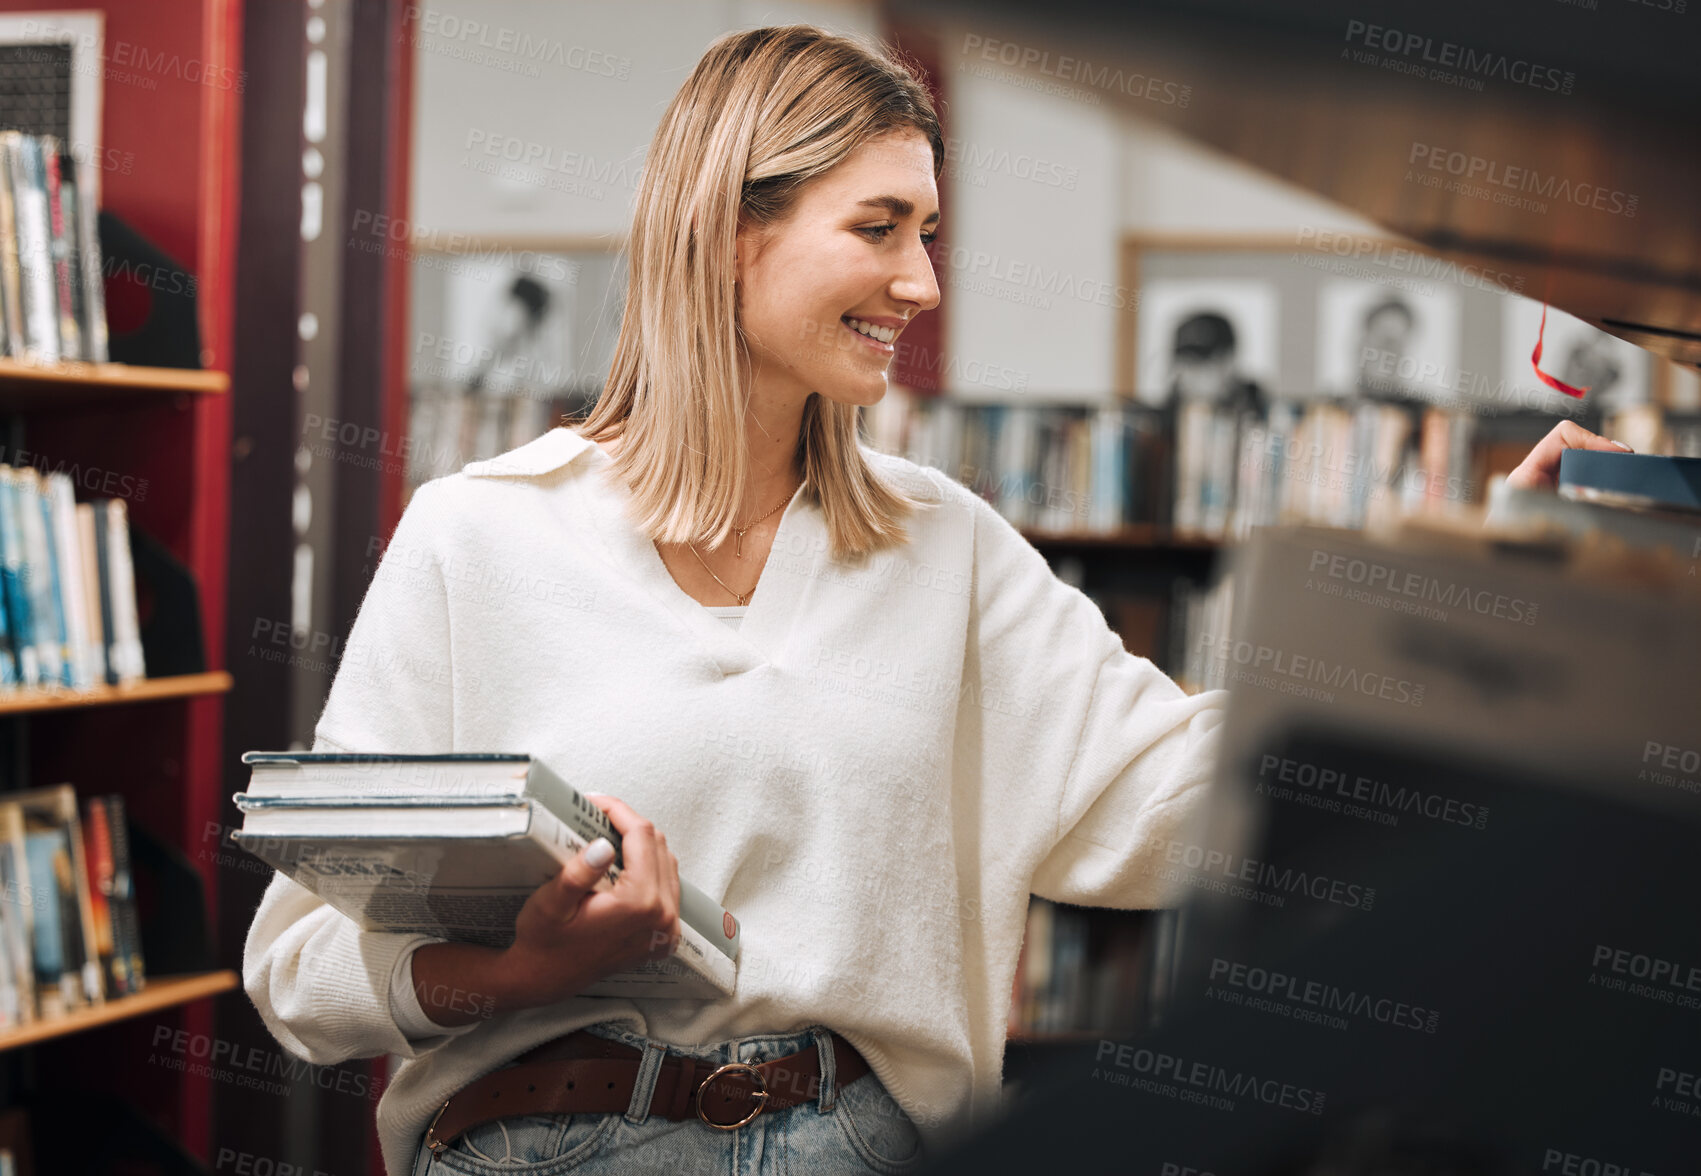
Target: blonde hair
[[764, 113]]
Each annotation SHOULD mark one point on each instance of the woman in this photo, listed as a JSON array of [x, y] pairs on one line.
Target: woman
[[865, 713]]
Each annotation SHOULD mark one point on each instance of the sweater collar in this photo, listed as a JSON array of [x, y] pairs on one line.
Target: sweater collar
[[541, 455]]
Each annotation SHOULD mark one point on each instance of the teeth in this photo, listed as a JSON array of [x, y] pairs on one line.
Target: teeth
[[884, 334]]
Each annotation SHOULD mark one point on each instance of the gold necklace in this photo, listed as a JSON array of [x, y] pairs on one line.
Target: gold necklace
[[743, 598], [738, 544]]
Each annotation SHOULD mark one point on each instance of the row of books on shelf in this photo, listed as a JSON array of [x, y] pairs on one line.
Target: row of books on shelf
[[1200, 469], [70, 933], [1200, 630], [52, 302], [1086, 971], [68, 613]]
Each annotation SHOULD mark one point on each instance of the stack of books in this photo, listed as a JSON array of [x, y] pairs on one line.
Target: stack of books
[[68, 614], [70, 935], [452, 846], [52, 304]]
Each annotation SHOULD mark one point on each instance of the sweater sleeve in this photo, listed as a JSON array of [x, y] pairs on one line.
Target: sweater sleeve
[[1102, 758], [320, 983]]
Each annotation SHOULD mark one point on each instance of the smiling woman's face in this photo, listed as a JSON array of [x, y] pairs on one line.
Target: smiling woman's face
[[850, 262]]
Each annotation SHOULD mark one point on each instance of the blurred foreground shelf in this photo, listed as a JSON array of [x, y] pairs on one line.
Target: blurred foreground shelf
[[162, 992]]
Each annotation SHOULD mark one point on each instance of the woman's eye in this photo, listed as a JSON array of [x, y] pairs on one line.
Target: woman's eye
[[881, 232]]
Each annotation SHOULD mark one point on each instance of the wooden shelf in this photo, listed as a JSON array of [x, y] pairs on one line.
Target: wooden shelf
[[1142, 536], [25, 385], [64, 698], [162, 992]]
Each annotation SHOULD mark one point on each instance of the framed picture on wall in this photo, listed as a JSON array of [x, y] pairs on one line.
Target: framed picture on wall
[[1382, 341], [506, 339], [1202, 338], [1330, 316], [1617, 374]]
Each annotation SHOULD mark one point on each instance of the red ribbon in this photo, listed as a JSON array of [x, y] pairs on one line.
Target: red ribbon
[[1536, 362]]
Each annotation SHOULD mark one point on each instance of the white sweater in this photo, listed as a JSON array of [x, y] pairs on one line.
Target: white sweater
[[872, 772]]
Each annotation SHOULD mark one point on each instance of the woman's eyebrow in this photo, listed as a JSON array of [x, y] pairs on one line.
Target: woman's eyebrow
[[897, 206]]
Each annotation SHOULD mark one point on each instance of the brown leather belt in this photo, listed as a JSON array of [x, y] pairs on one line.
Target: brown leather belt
[[582, 1073]]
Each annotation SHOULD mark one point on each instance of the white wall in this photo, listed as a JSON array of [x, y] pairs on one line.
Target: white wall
[[1041, 187], [1126, 177], [577, 88]]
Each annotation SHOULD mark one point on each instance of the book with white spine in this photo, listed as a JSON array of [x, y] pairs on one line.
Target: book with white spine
[[72, 581], [457, 867]]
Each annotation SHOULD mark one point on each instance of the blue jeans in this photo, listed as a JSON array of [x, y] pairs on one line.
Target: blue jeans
[[855, 1130]]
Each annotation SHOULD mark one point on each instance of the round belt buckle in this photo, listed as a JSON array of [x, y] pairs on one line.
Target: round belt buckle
[[761, 1095]]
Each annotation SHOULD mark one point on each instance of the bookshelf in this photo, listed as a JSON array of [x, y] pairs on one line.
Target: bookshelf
[[1139, 537], [159, 742], [162, 992], [71, 385], [33, 701]]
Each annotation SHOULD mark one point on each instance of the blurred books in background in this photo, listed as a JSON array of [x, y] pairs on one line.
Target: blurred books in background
[[70, 934], [1214, 473], [52, 302], [1080, 972], [68, 610]]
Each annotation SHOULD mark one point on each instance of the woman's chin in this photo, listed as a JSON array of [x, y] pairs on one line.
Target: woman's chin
[[862, 393]]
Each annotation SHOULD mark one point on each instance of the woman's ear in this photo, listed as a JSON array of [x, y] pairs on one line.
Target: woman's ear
[[746, 248]]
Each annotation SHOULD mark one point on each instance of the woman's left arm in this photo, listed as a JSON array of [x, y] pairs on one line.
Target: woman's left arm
[[1094, 756]]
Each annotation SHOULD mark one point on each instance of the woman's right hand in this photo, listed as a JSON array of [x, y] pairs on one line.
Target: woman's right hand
[[568, 936]]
